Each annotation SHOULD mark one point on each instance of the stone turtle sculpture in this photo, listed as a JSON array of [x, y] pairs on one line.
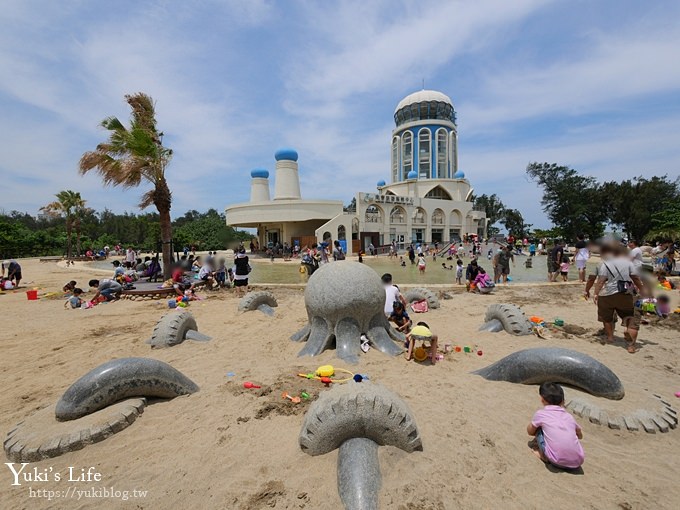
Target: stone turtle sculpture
[[553, 364], [119, 379], [174, 328], [357, 418], [506, 317], [262, 300], [343, 302], [420, 293]]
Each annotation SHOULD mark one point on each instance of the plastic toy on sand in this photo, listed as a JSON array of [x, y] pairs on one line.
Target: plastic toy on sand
[[248, 385]]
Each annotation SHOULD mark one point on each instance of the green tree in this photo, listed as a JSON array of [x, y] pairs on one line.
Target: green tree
[[494, 209], [513, 221], [666, 224], [67, 204], [135, 154], [573, 202], [632, 204]]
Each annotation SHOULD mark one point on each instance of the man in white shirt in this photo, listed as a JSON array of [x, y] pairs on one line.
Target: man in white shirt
[[392, 294], [635, 254]]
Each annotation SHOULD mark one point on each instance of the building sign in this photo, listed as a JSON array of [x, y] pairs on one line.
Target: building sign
[[387, 199]]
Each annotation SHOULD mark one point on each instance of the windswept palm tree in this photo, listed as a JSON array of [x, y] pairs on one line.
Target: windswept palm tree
[[134, 154], [66, 204]]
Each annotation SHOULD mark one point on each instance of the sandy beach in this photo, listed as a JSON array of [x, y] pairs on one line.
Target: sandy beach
[[228, 447]]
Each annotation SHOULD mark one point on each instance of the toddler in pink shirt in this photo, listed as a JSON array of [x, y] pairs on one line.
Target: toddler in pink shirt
[[556, 431]]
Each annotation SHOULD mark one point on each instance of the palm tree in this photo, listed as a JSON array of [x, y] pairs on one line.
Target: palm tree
[[66, 204], [135, 154]]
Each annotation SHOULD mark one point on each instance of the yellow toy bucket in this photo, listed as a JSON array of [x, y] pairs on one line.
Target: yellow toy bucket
[[325, 371]]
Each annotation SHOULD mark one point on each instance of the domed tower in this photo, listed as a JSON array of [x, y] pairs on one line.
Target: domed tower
[[287, 185], [259, 185], [425, 140]]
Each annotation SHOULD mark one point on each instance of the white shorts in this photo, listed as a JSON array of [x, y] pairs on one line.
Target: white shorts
[[580, 264]]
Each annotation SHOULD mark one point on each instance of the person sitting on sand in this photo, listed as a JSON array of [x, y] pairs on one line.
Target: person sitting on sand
[[206, 274], [75, 300], [400, 317], [663, 282], [68, 288], [109, 289], [422, 333], [557, 433], [471, 273], [450, 268], [482, 282]]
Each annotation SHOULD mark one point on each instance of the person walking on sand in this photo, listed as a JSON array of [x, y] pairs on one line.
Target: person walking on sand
[[554, 261], [582, 256], [614, 293]]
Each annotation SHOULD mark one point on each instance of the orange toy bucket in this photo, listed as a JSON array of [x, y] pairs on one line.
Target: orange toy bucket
[[32, 295]]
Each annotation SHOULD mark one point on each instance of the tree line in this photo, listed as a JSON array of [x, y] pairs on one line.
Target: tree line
[[23, 235], [642, 208]]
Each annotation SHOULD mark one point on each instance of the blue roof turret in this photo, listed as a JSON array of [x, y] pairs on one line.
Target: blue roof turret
[[286, 154], [262, 173]]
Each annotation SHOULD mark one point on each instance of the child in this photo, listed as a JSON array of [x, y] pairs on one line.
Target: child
[[564, 268], [556, 431], [221, 273], [482, 282], [400, 317], [422, 332], [663, 306], [459, 272], [422, 264], [663, 282], [75, 300], [402, 262], [489, 254], [68, 288]]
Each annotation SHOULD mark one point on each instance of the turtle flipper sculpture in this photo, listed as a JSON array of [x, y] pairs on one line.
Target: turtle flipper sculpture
[[345, 300]]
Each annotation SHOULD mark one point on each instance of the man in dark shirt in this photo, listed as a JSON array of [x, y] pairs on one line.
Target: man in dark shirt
[[554, 261]]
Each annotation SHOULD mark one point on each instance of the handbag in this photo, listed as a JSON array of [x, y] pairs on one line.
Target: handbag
[[622, 286]]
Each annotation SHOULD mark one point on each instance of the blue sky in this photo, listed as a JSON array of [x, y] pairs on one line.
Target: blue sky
[[593, 85]]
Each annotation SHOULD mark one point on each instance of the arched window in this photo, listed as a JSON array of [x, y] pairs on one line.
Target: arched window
[[341, 233], [355, 227], [438, 217], [407, 153], [395, 159], [419, 216], [424, 146], [438, 193], [456, 218], [398, 215], [373, 214], [442, 154]]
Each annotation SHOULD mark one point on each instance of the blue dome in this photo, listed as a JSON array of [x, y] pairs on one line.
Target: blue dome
[[259, 172], [459, 175], [286, 154], [380, 183], [412, 175]]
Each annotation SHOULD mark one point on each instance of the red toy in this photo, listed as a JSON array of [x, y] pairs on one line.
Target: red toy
[[248, 385]]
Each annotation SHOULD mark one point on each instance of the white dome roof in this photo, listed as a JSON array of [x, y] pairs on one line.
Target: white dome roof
[[423, 96]]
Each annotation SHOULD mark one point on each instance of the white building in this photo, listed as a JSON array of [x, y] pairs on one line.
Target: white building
[[427, 200]]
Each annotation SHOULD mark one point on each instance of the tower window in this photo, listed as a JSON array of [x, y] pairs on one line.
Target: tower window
[[424, 146], [442, 154], [395, 159], [406, 154]]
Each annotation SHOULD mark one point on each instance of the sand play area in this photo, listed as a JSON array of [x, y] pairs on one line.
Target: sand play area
[[235, 448]]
